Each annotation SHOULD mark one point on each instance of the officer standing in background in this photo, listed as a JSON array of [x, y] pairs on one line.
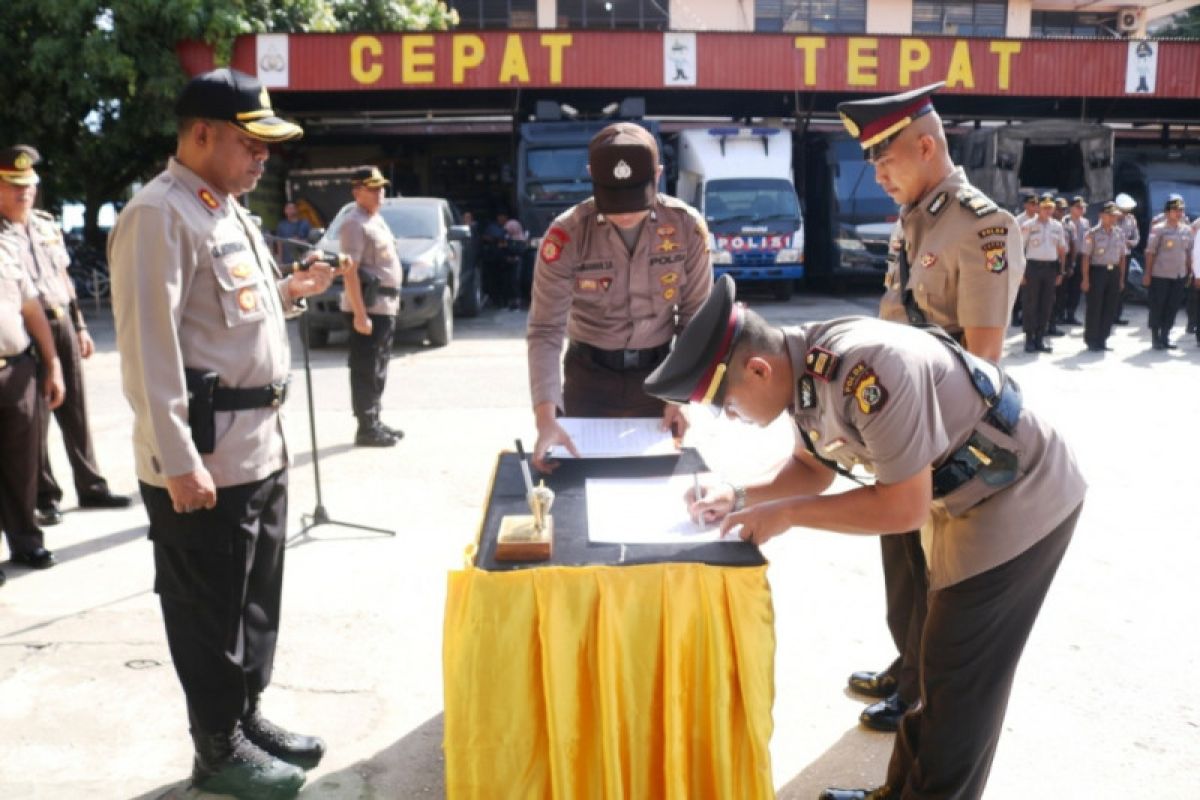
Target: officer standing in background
[[1193, 311], [22, 319], [1103, 266], [39, 247], [958, 265], [372, 299], [994, 489], [620, 274], [1127, 222], [200, 320], [1045, 260], [1168, 272], [1076, 227], [1029, 203]]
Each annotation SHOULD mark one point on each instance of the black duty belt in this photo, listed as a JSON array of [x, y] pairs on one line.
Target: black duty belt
[[8, 361], [980, 456], [226, 398], [387, 291], [622, 360], [56, 313]]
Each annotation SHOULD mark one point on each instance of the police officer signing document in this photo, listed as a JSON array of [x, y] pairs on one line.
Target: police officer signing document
[[200, 312], [619, 274], [993, 488]]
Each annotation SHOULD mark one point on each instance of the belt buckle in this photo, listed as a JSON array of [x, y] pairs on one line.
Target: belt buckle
[[1109, 267], [629, 359], [278, 393], [3, 363]]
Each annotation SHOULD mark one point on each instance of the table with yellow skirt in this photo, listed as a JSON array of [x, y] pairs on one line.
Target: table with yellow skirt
[[610, 671]]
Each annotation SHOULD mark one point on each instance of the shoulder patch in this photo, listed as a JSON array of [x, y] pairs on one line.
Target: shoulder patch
[[821, 363], [208, 199], [976, 203], [852, 378], [994, 230], [938, 203], [864, 385], [552, 244], [995, 257], [807, 391]]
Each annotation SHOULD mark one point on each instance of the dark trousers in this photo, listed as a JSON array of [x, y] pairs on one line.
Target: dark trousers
[[906, 585], [72, 421], [1163, 299], [1037, 296], [219, 578], [590, 390], [19, 454], [1067, 296], [1103, 290], [1193, 307], [369, 357], [975, 633]]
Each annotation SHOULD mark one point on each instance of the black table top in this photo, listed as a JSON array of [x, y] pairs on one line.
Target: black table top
[[571, 545]]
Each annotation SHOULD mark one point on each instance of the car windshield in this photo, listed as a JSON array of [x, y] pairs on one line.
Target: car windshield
[[557, 174], [750, 200], [408, 221]]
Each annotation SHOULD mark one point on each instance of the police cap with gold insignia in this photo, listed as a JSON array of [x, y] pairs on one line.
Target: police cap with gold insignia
[[1047, 199], [1078, 200], [876, 122], [16, 165], [1061, 202], [695, 368], [1175, 201], [235, 97], [623, 159], [370, 177], [1110, 208]]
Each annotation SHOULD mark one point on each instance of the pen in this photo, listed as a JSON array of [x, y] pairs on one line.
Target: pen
[[525, 469]]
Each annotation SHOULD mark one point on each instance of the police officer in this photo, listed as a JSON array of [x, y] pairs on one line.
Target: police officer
[[1029, 209], [1168, 271], [1045, 259], [199, 311], [958, 264], [1193, 311], [372, 301], [1076, 226], [22, 319], [1128, 224], [1162, 215], [1104, 252], [619, 274], [39, 246], [993, 488]]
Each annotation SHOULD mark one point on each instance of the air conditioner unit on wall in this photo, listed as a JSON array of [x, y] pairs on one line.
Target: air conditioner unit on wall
[[1127, 20]]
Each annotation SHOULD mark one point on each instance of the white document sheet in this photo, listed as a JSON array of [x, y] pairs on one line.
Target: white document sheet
[[616, 438], [645, 511]]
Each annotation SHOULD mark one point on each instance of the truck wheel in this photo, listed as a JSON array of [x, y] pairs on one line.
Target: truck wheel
[[317, 337], [782, 290], [470, 296], [441, 328]]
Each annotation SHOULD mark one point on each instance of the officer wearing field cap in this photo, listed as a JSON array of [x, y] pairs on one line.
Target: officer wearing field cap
[[1128, 224], [958, 265], [1105, 249], [1029, 208], [1076, 226], [1168, 271], [1045, 259], [372, 300], [200, 318], [618, 274], [43, 254], [994, 489]]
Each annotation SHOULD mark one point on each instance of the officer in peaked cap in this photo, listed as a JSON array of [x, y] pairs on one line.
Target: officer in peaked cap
[[43, 255], [957, 263], [1104, 260], [902, 402], [1045, 260], [1168, 271], [1076, 226], [206, 369], [1029, 208], [618, 275]]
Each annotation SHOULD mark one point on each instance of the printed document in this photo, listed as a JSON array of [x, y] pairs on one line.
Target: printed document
[[616, 438], [645, 511]]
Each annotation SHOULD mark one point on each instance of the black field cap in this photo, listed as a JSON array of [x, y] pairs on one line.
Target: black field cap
[[1175, 201], [1046, 199], [695, 368], [232, 96], [1078, 200], [370, 177], [1061, 202], [16, 165], [623, 158], [1110, 208], [876, 122]]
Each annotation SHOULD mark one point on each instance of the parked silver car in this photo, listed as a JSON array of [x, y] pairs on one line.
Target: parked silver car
[[441, 270]]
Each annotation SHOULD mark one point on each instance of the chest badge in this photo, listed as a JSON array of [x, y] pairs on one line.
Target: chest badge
[[667, 245], [821, 363], [995, 258], [928, 260], [1169, 243], [665, 230], [669, 293], [247, 299], [240, 270], [208, 199], [668, 278]]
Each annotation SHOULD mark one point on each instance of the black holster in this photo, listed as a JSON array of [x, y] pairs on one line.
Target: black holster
[[370, 288], [201, 386]]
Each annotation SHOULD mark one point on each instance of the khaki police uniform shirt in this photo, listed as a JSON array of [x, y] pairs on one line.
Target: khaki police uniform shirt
[[368, 240], [589, 286], [1128, 224], [1077, 231], [15, 290], [43, 256], [1172, 249], [1043, 239], [193, 285], [965, 259], [1105, 248], [895, 400]]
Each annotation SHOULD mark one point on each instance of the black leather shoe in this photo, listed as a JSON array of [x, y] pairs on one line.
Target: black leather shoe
[[294, 748], [41, 558], [1122, 321], [884, 715], [395, 433], [880, 793], [105, 499], [1030, 345], [231, 764], [873, 684], [48, 514], [374, 437], [1042, 347]]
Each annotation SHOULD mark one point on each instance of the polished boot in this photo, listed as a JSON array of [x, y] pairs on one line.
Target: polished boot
[[885, 715], [873, 684], [372, 434], [228, 763], [395, 433], [881, 793], [103, 499], [294, 748], [48, 514], [39, 558]]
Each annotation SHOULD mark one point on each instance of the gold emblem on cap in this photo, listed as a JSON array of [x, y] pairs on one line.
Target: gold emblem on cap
[[622, 171], [247, 300], [851, 128], [23, 161]]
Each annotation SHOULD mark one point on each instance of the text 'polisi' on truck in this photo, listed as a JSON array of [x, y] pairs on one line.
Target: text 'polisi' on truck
[[740, 179]]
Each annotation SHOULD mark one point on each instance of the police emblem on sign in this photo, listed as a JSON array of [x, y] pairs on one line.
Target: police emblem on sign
[[622, 171]]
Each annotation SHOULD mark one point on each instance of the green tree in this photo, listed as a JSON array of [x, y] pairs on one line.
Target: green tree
[[1183, 26]]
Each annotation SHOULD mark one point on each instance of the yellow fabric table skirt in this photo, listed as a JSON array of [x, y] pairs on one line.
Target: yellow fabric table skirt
[[650, 682]]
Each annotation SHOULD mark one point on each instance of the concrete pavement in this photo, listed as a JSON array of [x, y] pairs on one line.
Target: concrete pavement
[[90, 707]]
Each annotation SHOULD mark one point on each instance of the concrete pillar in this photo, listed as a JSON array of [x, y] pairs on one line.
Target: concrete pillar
[[1020, 18]]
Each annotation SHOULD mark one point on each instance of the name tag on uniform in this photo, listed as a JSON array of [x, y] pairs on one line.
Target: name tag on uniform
[[588, 285]]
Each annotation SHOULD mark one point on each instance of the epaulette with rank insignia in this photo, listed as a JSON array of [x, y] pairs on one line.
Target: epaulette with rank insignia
[[821, 363], [978, 204]]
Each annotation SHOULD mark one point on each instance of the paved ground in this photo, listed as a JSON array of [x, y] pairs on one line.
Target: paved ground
[[90, 708]]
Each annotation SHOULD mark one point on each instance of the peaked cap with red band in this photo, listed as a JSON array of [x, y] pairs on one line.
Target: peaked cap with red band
[[876, 122], [695, 369]]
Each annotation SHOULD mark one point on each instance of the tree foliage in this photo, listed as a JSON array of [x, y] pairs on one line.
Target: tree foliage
[[1183, 26], [92, 83]]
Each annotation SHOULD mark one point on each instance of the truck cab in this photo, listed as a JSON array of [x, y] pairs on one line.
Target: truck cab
[[740, 179]]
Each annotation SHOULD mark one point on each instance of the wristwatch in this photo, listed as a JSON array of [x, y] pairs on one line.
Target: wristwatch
[[739, 496]]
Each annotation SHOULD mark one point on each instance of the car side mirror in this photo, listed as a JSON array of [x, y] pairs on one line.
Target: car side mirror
[[459, 233], [315, 234]]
